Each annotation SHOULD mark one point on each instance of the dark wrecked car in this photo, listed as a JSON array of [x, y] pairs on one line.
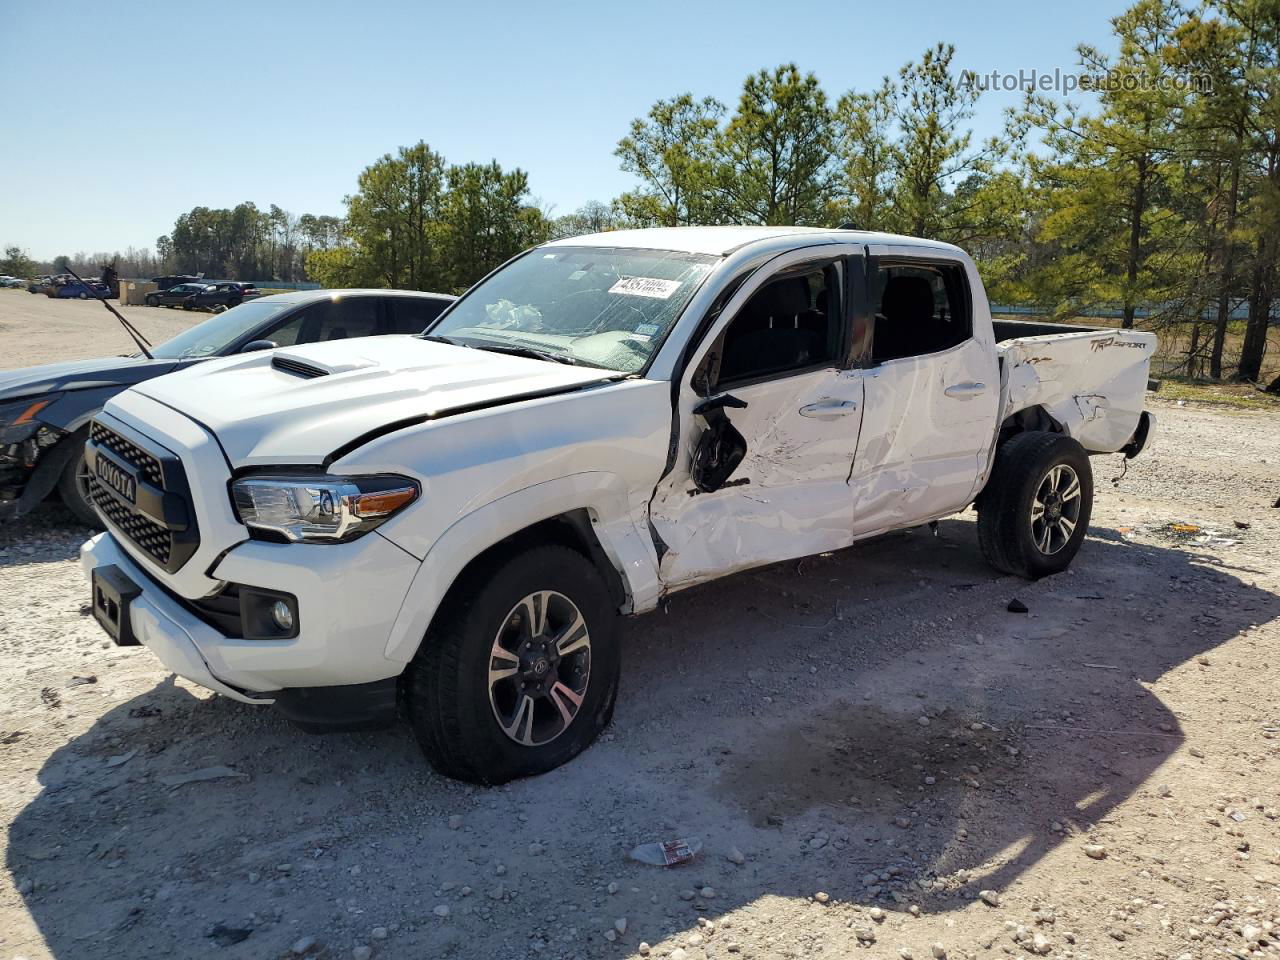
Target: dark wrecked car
[[45, 410]]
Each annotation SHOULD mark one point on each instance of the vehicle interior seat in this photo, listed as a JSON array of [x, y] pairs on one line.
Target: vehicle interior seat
[[778, 329], [906, 318]]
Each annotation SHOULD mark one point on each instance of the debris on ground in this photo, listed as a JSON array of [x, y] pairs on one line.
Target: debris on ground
[[667, 853]]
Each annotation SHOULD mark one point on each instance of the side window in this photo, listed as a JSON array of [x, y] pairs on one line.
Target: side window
[[286, 335], [790, 323], [412, 314], [340, 319], [923, 308]]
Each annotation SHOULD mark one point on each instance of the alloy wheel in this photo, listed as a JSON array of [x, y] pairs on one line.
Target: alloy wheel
[[1055, 509], [539, 666]]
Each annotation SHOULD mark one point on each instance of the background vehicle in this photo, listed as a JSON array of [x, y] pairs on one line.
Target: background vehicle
[[176, 296], [38, 284], [164, 283], [224, 293], [600, 422], [45, 410], [64, 287]]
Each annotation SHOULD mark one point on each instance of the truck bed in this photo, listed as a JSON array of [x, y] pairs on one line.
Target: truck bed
[[1090, 380]]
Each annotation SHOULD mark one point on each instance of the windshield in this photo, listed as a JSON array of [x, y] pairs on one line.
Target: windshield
[[599, 306], [217, 333]]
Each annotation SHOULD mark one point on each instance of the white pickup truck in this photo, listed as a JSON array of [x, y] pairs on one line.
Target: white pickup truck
[[453, 522]]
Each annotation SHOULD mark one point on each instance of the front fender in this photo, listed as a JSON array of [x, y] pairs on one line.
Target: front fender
[[604, 496]]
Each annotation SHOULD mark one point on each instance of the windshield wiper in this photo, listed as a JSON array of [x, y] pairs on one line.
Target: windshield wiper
[[509, 349], [525, 352]]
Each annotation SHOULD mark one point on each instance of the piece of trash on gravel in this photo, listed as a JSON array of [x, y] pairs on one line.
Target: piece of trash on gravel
[[81, 681], [121, 759], [1016, 606], [1183, 528], [204, 773], [668, 853]]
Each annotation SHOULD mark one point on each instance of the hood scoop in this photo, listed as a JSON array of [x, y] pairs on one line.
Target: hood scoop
[[309, 368]]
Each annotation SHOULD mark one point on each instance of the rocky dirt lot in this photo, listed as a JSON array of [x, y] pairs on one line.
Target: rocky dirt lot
[[35, 329], [880, 759]]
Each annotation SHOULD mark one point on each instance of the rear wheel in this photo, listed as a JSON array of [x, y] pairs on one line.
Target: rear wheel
[[73, 486], [519, 671], [1034, 512]]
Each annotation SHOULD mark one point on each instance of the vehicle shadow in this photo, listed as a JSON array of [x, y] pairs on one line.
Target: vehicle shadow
[[48, 534], [781, 713]]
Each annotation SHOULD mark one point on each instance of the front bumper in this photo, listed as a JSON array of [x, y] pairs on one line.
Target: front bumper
[[348, 598]]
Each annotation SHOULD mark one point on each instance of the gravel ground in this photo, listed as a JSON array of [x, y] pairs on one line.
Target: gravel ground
[[35, 329], [880, 760]]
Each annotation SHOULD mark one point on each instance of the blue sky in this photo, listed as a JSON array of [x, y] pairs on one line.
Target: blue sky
[[121, 115]]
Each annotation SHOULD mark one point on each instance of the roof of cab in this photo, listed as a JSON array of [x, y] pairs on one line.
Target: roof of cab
[[721, 241], [307, 296]]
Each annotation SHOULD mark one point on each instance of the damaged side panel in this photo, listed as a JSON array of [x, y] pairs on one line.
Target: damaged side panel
[[1092, 383]]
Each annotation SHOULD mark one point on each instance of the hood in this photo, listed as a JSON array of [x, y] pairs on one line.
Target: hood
[[80, 375], [298, 405]]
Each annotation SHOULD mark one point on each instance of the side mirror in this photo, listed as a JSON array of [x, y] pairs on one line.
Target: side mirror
[[253, 346], [721, 448]]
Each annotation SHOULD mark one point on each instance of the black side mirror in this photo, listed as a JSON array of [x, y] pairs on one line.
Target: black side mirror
[[253, 346], [721, 448]]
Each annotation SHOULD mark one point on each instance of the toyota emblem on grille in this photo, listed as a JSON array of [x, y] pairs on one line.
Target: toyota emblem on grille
[[116, 478]]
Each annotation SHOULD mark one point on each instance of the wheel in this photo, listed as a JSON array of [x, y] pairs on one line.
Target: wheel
[[83, 296], [152, 302], [73, 485], [519, 670], [1034, 512]]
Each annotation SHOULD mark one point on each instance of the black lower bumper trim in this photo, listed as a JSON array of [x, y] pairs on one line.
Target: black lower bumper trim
[[359, 706]]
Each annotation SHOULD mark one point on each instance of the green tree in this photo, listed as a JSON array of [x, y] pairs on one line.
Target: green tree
[[671, 150], [393, 219], [591, 217], [868, 155], [488, 219], [934, 152], [1110, 185], [60, 263], [16, 263], [773, 159]]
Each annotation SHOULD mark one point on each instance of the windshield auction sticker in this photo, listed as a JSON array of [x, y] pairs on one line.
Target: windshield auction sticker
[[650, 287]]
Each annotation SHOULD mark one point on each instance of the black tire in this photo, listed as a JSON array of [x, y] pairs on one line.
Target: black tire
[[1012, 539], [447, 686], [152, 302], [73, 490]]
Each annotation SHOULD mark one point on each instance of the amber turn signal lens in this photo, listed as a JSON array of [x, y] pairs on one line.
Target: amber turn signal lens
[[30, 412], [382, 502]]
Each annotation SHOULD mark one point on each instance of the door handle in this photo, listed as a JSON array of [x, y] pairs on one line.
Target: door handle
[[829, 409], [965, 391]]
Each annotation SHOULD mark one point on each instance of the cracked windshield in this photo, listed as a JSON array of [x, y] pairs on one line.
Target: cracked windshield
[[595, 306]]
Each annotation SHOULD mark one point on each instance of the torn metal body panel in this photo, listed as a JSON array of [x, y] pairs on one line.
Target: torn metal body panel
[[1092, 383]]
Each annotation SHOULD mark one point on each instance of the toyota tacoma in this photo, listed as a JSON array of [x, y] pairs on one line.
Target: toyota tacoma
[[451, 524]]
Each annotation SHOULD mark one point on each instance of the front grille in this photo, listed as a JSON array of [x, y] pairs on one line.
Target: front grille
[[150, 536], [131, 453], [161, 523]]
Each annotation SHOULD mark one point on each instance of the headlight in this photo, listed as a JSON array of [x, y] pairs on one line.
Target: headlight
[[17, 419], [320, 509]]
